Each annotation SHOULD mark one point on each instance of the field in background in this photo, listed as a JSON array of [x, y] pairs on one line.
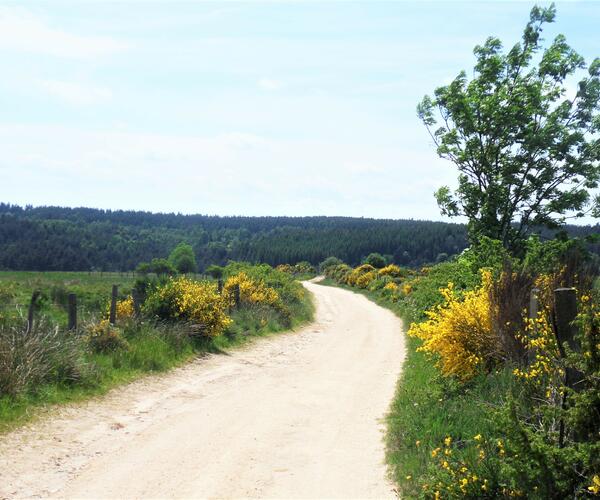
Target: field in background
[[93, 292]]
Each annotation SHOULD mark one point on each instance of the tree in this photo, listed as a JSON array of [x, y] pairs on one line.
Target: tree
[[329, 262], [376, 260], [143, 268], [162, 266], [183, 259], [214, 271], [527, 152]]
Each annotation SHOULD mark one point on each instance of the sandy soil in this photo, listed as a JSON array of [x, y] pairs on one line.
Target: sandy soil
[[297, 415]]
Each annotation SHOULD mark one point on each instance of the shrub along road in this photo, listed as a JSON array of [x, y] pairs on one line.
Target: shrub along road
[[294, 415]]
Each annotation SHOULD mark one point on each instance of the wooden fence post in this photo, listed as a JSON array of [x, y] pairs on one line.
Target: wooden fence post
[[534, 303], [135, 295], [31, 312], [565, 312], [534, 306], [113, 304], [236, 295], [72, 312]]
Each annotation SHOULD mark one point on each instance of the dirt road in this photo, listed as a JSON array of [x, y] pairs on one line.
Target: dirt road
[[297, 415]]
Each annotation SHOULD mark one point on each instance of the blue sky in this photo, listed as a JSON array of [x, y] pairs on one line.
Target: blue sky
[[253, 108]]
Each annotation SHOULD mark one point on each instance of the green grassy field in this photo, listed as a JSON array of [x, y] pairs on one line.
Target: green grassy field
[[93, 292]]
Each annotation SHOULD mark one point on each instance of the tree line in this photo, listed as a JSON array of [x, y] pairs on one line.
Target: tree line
[[81, 239]]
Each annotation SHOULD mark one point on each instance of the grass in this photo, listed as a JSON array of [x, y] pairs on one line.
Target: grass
[[152, 347], [93, 292]]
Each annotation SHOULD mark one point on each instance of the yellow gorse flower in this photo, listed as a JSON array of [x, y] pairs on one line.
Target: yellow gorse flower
[[197, 302], [391, 270], [251, 291], [595, 486], [460, 330]]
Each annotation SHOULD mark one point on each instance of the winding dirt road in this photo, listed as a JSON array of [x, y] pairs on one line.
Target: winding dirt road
[[297, 415]]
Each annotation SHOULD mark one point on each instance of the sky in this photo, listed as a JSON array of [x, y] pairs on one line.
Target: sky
[[240, 108]]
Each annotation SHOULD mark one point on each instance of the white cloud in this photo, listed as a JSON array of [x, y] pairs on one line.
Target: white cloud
[[21, 31], [76, 93], [269, 84], [233, 173]]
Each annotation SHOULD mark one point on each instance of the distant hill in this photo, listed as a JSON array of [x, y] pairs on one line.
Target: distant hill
[[77, 239]]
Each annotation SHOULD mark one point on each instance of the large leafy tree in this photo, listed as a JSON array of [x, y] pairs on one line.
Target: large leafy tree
[[527, 150], [183, 259]]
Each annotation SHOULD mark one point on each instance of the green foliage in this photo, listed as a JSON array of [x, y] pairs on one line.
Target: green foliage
[[425, 288], [498, 434], [182, 258], [376, 260], [214, 271], [301, 270], [162, 267], [329, 262], [103, 337], [546, 257], [486, 253], [526, 152], [143, 268], [78, 239], [553, 441]]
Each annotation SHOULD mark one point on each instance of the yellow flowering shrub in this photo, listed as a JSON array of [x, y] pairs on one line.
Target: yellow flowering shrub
[[594, 488], [104, 337], [125, 308], [460, 330], [251, 291], [540, 342], [391, 286], [187, 300], [392, 270], [361, 276], [364, 280]]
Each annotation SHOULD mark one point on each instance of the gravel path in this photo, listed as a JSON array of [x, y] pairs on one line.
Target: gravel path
[[297, 415]]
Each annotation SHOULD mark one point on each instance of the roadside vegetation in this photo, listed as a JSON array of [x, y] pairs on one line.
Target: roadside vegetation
[[500, 394], [483, 395], [179, 318]]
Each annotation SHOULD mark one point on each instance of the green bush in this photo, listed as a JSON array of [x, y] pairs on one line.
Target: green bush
[[103, 337], [376, 260]]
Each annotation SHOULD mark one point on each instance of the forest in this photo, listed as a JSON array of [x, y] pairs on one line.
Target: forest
[[83, 239]]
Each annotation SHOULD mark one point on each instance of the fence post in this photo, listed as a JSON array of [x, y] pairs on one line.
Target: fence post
[[236, 295], [113, 305], [135, 295], [534, 306], [565, 312], [534, 303], [31, 312], [72, 312]]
